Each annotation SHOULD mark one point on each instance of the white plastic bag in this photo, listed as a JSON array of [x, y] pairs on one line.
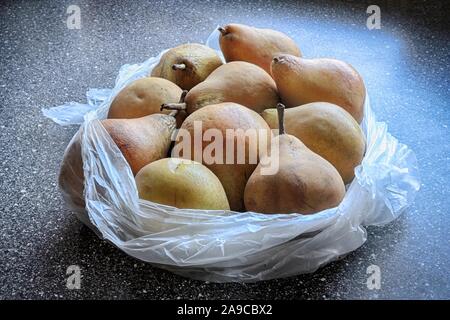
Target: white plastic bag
[[226, 246]]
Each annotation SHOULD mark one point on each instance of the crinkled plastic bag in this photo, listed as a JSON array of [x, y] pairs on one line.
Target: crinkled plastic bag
[[224, 246]]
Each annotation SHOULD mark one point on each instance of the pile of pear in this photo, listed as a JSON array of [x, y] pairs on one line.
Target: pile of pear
[[310, 110]]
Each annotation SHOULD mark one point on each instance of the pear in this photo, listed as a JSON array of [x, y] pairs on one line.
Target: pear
[[239, 82], [144, 97], [300, 81], [141, 141], [244, 43], [187, 65], [304, 182], [181, 183], [233, 126], [326, 129]]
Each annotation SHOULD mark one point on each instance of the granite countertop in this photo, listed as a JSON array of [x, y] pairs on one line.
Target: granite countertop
[[405, 65]]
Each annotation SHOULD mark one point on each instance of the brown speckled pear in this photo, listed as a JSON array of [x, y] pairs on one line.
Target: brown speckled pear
[[244, 43], [144, 97], [187, 65], [222, 117], [305, 182], [300, 81], [141, 141], [239, 82], [327, 130], [181, 183]]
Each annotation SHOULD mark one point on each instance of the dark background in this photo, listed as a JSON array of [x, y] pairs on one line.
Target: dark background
[[405, 65]]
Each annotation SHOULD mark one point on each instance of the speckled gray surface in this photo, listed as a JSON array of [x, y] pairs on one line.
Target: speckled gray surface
[[43, 63]]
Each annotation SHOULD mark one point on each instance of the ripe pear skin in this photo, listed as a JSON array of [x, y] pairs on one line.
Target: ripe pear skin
[[300, 81], [144, 97], [181, 183], [141, 141], [239, 42], [305, 182], [239, 82], [222, 117], [328, 130], [187, 65]]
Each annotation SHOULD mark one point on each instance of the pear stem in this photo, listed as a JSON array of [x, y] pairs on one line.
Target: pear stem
[[173, 106], [178, 66], [183, 96], [280, 109], [222, 30]]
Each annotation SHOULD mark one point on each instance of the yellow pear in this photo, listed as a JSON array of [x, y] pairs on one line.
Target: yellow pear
[[239, 82], [233, 126], [144, 97], [187, 65], [141, 141], [300, 81], [181, 183], [327, 130], [244, 43], [304, 182]]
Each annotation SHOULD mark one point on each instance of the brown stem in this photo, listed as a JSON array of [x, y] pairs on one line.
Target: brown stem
[[222, 30], [280, 109], [183, 96], [173, 106], [279, 58], [178, 66]]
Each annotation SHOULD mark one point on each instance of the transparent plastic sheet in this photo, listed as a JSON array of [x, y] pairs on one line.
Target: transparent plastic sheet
[[224, 246]]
